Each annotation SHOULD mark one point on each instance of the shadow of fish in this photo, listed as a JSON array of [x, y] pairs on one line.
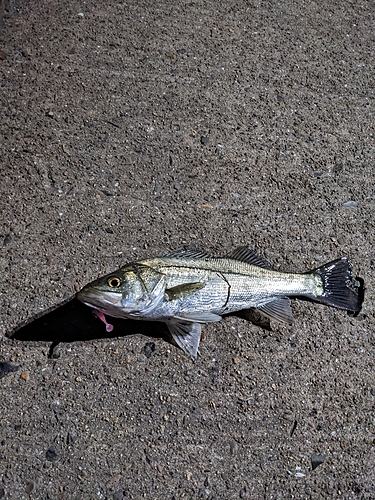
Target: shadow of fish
[[187, 288]]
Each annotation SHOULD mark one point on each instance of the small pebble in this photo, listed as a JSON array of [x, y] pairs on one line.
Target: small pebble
[[118, 495], [8, 239], [30, 487], [6, 367], [350, 204], [70, 438], [316, 460], [25, 376], [204, 140], [54, 352], [52, 454], [148, 349], [233, 447]]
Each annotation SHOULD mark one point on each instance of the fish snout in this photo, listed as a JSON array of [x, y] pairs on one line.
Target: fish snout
[[98, 298]]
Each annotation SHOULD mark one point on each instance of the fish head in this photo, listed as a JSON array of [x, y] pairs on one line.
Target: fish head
[[131, 291]]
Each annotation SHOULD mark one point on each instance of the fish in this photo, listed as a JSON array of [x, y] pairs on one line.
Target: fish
[[187, 288]]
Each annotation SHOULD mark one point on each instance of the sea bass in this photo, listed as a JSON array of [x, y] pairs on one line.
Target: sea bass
[[189, 287]]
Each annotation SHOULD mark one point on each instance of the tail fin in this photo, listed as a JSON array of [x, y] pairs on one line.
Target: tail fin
[[338, 287]]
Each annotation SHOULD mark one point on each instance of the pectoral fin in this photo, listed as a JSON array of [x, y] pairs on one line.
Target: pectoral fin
[[278, 309], [186, 335], [184, 290]]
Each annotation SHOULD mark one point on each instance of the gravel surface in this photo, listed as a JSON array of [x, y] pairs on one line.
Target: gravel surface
[[132, 128]]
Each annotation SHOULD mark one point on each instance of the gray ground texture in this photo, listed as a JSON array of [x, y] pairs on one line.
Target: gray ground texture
[[132, 128]]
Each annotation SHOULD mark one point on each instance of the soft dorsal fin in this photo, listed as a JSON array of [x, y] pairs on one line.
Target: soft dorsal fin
[[246, 254], [187, 253]]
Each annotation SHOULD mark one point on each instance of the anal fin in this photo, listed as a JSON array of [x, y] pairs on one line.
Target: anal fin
[[187, 336], [278, 309]]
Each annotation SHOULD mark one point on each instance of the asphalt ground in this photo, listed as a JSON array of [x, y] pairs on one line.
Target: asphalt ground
[[132, 128]]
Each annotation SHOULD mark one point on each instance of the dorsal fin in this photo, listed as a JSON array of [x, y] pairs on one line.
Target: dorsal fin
[[246, 254], [187, 253]]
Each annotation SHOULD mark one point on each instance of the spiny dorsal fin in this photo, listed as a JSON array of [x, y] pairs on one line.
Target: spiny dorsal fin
[[184, 290], [246, 254], [278, 309], [187, 253]]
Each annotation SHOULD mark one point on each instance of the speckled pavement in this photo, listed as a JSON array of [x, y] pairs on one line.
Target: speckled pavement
[[132, 128]]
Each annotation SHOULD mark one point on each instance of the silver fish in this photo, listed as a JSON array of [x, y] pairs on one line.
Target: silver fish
[[187, 288]]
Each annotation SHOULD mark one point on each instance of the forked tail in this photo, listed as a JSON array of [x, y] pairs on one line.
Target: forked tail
[[339, 290]]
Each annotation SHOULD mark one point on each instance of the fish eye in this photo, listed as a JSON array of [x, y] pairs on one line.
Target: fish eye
[[114, 282]]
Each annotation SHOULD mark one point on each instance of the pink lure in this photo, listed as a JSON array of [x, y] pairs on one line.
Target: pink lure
[[101, 316]]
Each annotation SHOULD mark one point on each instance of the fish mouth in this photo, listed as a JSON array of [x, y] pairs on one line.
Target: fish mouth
[[99, 299]]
